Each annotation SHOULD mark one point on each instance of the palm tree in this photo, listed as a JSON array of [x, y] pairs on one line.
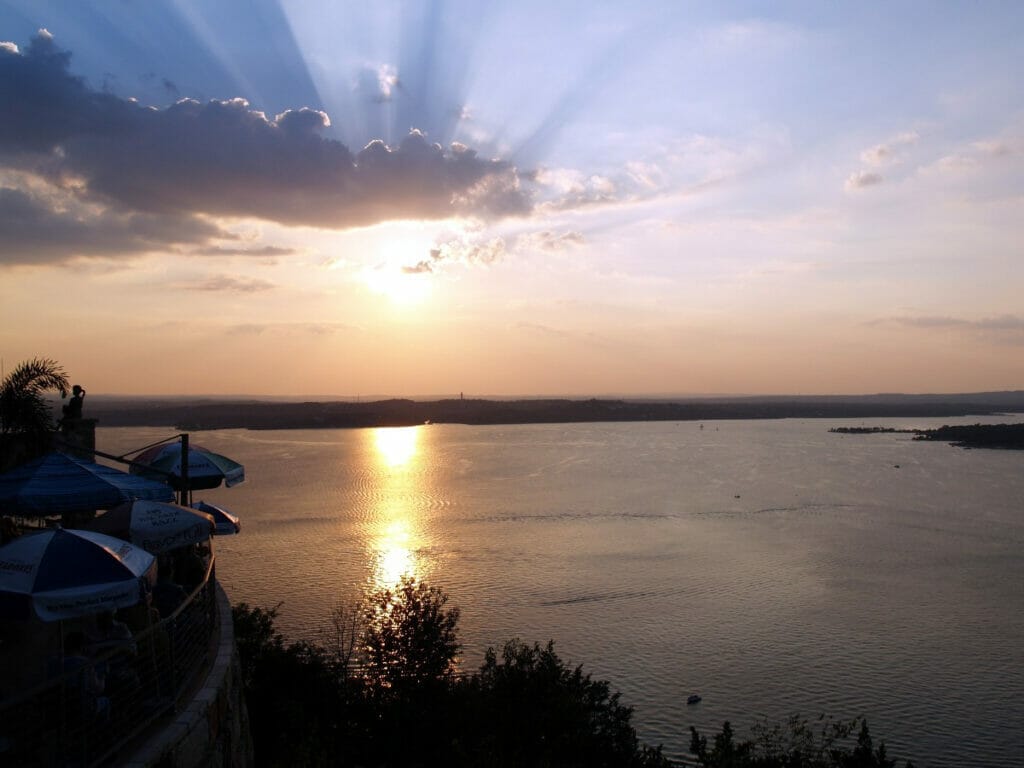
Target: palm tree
[[23, 409]]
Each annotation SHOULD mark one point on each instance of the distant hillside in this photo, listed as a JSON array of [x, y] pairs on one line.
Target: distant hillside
[[256, 414]]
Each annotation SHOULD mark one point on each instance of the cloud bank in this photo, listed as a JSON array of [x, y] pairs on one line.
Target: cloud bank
[[113, 176]]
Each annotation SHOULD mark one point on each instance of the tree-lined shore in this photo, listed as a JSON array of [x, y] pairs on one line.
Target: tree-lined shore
[[226, 413], [1003, 436]]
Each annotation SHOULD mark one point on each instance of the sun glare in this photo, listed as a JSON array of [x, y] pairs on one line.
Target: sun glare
[[396, 445], [394, 553], [401, 288]]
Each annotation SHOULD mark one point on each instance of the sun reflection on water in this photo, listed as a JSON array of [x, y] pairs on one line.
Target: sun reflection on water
[[396, 445], [394, 554], [396, 534]]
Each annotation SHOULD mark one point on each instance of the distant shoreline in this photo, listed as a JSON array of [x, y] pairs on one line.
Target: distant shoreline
[[200, 415]]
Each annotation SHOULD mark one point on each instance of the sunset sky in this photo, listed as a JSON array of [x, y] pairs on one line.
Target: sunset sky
[[286, 197]]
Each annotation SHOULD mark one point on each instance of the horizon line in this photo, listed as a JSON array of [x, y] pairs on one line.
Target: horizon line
[[375, 397]]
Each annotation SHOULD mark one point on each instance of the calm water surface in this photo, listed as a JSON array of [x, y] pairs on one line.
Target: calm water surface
[[771, 566]]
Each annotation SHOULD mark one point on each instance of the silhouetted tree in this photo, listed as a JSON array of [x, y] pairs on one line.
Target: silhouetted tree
[[382, 691], [22, 405], [409, 639], [300, 713], [26, 426], [528, 708]]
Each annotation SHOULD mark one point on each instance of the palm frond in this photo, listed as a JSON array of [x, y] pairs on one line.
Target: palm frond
[[22, 406], [40, 374]]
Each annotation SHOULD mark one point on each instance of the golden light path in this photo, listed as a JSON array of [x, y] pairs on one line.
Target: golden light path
[[397, 535], [396, 446]]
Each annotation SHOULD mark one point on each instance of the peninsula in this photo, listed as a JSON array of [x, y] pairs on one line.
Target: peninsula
[[1007, 436]]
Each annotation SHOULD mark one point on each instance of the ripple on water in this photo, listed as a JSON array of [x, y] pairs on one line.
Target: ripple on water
[[832, 585]]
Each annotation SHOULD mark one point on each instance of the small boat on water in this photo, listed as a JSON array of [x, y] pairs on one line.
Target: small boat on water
[[693, 698]]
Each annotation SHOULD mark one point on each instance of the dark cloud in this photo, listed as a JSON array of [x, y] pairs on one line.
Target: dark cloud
[[266, 250], [34, 231], [222, 158]]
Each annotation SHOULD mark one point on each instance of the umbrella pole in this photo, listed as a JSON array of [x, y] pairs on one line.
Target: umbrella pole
[[184, 493]]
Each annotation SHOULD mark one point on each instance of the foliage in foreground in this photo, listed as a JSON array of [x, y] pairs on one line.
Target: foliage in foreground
[[796, 745], [381, 690], [23, 407]]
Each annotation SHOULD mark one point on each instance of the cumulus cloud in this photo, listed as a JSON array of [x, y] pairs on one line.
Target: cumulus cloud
[[888, 152], [567, 189], [224, 159], [861, 179], [473, 249], [883, 155], [377, 84], [991, 153], [550, 241], [461, 250]]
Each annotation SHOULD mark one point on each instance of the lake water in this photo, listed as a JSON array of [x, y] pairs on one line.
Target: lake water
[[771, 566]]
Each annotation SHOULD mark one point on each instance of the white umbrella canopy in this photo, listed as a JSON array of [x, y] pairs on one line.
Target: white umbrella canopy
[[155, 526], [60, 574], [226, 523]]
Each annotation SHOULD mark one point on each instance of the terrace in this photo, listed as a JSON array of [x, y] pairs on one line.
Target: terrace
[[142, 687], [176, 696]]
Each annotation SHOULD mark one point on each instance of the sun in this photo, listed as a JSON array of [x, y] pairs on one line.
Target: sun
[[402, 288]]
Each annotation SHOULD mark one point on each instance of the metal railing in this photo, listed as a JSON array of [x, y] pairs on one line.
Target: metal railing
[[86, 713]]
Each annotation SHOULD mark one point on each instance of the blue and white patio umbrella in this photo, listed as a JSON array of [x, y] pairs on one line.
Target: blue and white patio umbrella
[[226, 523], [154, 525], [206, 469], [60, 574], [58, 483]]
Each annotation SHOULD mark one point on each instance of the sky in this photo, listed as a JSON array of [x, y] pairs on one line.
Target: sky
[[303, 197]]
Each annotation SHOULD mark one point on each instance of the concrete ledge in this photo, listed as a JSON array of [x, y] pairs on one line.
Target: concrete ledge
[[213, 727]]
